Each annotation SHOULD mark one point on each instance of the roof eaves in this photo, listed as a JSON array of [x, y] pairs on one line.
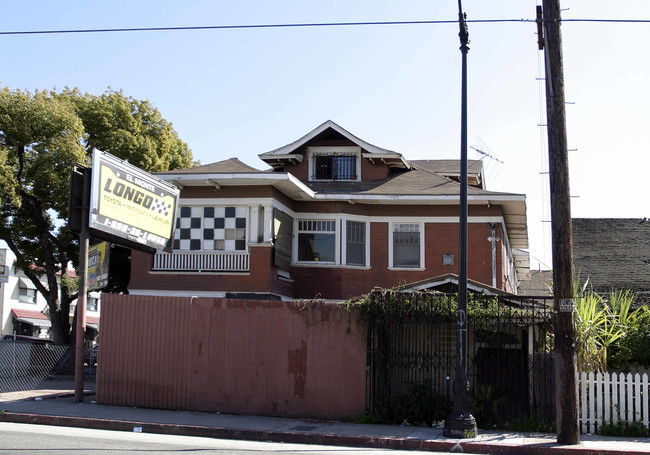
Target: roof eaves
[[213, 179], [373, 149]]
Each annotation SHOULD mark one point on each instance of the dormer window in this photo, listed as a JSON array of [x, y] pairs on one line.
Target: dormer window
[[330, 167], [335, 163]]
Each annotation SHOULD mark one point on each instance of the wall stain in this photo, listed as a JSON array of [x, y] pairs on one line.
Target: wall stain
[[298, 367]]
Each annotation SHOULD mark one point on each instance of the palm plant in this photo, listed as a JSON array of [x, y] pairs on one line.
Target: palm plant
[[600, 323]]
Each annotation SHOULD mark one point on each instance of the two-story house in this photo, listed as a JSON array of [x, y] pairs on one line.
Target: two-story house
[[333, 218]]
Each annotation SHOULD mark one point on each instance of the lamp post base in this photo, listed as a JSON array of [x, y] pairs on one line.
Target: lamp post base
[[460, 426]]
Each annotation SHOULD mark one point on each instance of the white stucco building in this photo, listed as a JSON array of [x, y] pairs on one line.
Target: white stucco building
[[23, 310]]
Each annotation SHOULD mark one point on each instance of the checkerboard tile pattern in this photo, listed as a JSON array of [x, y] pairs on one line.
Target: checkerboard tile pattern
[[211, 228]]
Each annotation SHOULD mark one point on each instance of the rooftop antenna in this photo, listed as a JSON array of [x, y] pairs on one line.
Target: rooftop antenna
[[491, 172], [483, 152]]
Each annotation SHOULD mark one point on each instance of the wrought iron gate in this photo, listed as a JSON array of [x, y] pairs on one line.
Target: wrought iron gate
[[412, 341]]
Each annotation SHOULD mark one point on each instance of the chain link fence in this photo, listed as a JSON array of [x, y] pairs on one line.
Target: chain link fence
[[26, 367]]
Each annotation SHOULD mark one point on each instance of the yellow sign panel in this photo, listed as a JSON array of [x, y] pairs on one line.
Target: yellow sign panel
[[128, 203], [98, 263], [123, 200]]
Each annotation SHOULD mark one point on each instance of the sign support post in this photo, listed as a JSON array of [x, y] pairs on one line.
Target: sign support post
[[80, 340]]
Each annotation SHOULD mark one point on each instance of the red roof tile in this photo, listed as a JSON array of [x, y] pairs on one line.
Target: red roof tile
[[20, 313]]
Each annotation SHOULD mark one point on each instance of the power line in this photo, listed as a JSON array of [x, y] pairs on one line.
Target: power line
[[300, 25]]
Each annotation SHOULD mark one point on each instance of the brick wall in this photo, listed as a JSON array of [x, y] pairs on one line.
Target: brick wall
[[338, 282], [257, 280], [441, 238]]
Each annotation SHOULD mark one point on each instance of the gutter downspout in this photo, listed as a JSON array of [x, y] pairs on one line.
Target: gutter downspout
[[494, 239]]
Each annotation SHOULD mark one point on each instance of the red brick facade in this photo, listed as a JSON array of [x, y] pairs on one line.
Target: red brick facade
[[332, 281], [391, 191]]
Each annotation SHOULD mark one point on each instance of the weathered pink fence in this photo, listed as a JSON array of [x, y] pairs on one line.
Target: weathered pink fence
[[301, 358]]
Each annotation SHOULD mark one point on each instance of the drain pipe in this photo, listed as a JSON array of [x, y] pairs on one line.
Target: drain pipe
[[494, 239]]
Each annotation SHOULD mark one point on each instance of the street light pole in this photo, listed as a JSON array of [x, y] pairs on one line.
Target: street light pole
[[461, 423]]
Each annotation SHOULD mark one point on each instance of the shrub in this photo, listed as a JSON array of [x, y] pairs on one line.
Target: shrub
[[601, 325], [485, 405], [624, 429], [634, 347], [420, 405], [533, 423]]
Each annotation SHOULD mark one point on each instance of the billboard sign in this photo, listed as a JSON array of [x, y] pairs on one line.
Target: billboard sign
[[130, 204], [98, 259]]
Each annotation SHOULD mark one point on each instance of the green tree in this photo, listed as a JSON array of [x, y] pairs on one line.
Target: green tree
[[41, 135], [129, 129]]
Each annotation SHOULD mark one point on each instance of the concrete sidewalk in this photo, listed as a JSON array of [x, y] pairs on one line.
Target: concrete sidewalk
[[59, 409]]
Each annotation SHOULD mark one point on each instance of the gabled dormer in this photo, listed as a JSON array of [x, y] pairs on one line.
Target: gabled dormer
[[331, 153]]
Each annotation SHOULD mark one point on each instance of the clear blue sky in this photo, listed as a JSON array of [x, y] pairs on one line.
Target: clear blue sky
[[239, 93]]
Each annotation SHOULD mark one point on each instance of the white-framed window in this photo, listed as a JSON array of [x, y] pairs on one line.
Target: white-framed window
[[406, 245], [91, 303], [211, 229], [317, 241], [335, 163], [355, 243], [26, 291]]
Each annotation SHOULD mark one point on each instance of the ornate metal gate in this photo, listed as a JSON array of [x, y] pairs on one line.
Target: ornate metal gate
[[412, 342]]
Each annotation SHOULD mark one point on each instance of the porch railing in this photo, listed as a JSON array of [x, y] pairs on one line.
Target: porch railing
[[202, 262]]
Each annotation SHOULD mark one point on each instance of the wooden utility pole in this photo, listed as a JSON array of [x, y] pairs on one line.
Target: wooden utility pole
[[566, 373]]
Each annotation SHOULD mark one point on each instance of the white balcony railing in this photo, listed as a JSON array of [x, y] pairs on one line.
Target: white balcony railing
[[202, 262]]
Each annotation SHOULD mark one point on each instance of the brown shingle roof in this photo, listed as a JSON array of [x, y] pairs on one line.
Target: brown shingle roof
[[421, 181], [232, 165], [447, 166], [613, 253], [540, 284]]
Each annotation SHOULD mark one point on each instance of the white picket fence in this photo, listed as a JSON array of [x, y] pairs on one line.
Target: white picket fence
[[612, 398]]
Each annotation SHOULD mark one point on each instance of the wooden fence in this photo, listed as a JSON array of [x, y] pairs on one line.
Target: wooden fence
[[609, 398], [295, 359]]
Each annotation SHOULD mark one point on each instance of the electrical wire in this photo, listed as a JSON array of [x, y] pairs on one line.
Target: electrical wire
[[299, 25]]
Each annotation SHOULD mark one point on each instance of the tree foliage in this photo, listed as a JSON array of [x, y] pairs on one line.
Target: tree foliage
[[42, 134]]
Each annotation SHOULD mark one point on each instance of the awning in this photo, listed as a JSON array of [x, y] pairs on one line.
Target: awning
[[92, 326], [26, 284], [35, 322]]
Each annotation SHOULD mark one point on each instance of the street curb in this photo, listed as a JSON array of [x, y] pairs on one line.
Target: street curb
[[310, 438]]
